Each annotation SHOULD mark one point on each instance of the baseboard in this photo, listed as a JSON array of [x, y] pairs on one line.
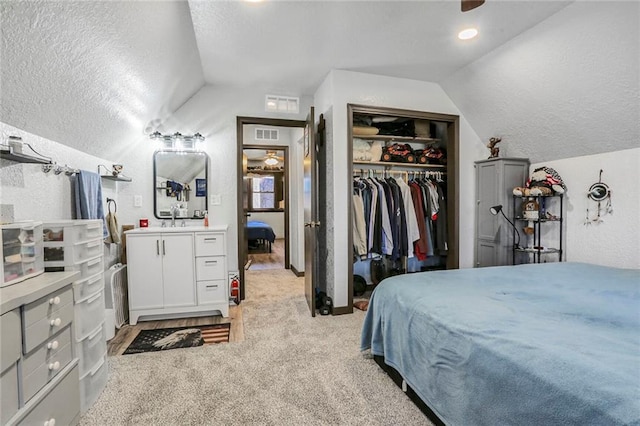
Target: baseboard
[[295, 271], [342, 310]]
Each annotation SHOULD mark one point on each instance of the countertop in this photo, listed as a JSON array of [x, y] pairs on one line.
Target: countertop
[[32, 289], [157, 229]]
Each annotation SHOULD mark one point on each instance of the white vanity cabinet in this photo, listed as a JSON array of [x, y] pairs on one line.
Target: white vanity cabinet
[[176, 272]]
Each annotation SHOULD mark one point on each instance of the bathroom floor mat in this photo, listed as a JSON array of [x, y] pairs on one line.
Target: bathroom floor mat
[[163, 339]]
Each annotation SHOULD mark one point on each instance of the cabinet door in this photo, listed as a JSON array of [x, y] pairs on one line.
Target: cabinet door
[[144, 270], [178, 268], [486, 190]]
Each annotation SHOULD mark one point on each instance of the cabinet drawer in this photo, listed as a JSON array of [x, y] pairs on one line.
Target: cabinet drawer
[[210, 244], [87, 286], [46, 351], [46, 306], [92, 384], [212, 291], [49, 325], [61, 404], [89, 313], [11, 339], [46, 371], [210, 268], [91, 349], [9, 392]]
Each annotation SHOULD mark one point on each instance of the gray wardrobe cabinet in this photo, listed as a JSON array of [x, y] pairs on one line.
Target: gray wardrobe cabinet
[[495, 180]]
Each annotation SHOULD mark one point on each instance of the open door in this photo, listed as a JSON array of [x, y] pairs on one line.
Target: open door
[[311, 222], [245, 211]]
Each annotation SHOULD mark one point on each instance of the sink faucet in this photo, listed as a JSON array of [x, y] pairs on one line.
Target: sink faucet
[[174, 210]]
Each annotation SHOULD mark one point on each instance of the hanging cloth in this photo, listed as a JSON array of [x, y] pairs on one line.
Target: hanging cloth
[[88, 196], [112, 223]]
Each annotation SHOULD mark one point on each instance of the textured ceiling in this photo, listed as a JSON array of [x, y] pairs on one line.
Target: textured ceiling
[[288, 47], [93, 75]]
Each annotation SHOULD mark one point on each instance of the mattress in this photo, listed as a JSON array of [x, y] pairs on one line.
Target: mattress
[[260, 231], [555, 343]]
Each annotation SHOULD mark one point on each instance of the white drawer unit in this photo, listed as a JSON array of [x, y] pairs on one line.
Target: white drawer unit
[[85, 287], [92, 383], [39, 381], [170, 272], [211, 268], [63, 254], [89, 314], [87, 268], [210, 244], [22, 255], [91, 349], [70, 232]]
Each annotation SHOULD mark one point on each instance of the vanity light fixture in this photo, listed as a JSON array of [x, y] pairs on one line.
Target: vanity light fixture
[[178, 141], [467, 34]]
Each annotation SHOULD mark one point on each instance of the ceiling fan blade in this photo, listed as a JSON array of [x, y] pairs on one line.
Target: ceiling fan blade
[[468, 5]]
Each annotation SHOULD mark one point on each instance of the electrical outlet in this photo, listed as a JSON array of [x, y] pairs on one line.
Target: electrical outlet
[[137, 201], [216, 199]]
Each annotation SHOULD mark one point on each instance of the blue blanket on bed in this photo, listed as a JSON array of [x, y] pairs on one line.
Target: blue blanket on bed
[[257, 230], [549, 344]]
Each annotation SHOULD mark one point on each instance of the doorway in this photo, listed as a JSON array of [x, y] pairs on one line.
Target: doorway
[[268, 182]]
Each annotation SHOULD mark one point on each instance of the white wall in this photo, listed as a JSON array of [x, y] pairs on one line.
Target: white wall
[[616, 241], [568, 86], [368, 89], [212, 112], [36, 195]]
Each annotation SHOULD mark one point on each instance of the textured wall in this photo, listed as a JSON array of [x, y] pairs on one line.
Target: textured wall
[[567, 87], [614, 242], [93, 75], [30, 194]]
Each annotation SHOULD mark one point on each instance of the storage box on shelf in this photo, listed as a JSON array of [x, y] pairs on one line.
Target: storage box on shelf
[[22, 254], [76, 245]]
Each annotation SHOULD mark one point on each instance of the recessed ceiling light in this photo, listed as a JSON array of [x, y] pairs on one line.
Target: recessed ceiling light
[[467, 34]]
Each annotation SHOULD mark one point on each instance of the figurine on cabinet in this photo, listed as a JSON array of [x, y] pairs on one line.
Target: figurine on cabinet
[[493, 148]]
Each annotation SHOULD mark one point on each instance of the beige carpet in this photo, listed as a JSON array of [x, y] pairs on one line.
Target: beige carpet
[[290, 370]]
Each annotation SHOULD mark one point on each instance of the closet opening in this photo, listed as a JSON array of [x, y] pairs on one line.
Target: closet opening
[[404, 194]]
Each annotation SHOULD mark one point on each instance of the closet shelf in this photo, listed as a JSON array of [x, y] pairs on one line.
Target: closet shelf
[[390, 164], [8, 154], [397, 138], [116, 178]]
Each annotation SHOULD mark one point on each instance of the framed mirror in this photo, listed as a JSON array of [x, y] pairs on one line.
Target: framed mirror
[[180, 181]]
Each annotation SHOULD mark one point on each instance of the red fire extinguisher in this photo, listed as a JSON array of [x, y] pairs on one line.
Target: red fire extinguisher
[[234, 289]]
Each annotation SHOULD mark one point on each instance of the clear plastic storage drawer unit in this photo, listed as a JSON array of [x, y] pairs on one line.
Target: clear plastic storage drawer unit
[[22, 254]]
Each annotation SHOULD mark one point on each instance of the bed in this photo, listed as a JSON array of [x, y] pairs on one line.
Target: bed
[[546, 344], [260, 233]]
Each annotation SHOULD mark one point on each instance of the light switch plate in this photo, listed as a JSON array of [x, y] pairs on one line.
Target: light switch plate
[[137, 201], [216, 199]]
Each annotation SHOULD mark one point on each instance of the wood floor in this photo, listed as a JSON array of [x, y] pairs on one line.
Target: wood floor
[[264, 260], [127, 333]]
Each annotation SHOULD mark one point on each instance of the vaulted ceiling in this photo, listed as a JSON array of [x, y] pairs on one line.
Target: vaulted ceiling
[[97, 75]]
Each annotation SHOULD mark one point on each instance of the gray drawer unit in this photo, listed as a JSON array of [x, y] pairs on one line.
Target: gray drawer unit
[[9, 402], [11, 339], [46, 371], [61, 403], [42, 320]]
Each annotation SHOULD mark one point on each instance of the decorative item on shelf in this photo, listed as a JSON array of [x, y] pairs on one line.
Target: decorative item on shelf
[[544, 181], [599, 193], [530, 209], [493, 148], [498, 209], [115, 173], [398, 153]]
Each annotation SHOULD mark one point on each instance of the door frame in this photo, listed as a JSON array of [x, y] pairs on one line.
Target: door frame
[[240, 123]]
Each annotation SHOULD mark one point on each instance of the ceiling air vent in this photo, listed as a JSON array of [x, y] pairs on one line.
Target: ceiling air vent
[[286, 104], [267, 134]]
